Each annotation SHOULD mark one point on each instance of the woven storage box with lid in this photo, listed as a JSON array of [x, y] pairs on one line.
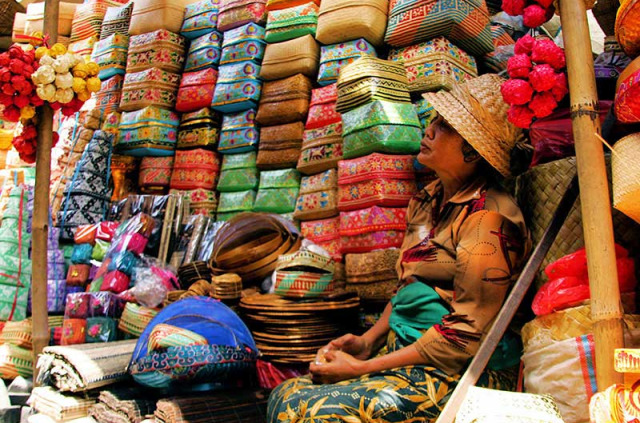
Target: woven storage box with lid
[[193, 169], [238, 87], [325, 233], [196, 90], [318, 197], [161, 49], [284, 101], [373, 228], [35, 18], [322, 110], [321, 149], [87, 19], [243, 43], [373, 275], [199, 129], [204, 52], [200, 18], [110, 54], [626, 27], [369, 78], [376, 180], [290, 23], [151, 87], [304, 274], [235, 13], [155, 174], [116, 20], [239, 133], [285, 4], [300, 55], [626, 176], [238, 172], [335, 56], [627, 101], [381, 126], [234, 202], [151, 131], [345, 20], [283, 178], [464, 22], [278, 191], [108, 98], [435, 64], [426, 113], [151, 15], [280, 145]]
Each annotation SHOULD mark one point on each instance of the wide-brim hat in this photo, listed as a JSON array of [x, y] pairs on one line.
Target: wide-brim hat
[[476, 110]]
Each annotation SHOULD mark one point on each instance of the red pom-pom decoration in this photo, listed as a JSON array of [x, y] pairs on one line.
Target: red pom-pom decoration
[[524, 45], [21, 101], [11, 113], [15, 52], [560, 88], [55, 105], [17, 66], [546, 51], [5, 75], [516, 91], [4, 60], [36, 101], [546, 4], [514, 7], [519, 66], [542, 77], [55, 139], [543, 104], [534, 16], [520, 116], [26, 143], [6, 100]]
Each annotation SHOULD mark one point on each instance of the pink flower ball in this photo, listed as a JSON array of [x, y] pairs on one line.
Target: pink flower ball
[[524, 45], [519, 66], [542, 77], [534, 16], [546, 51], [514, 7], [516, 91], [560, 88], [543, 104], [520, 116]]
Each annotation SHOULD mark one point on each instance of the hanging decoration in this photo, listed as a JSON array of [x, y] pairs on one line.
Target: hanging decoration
[[18, 93], [537, 81], [534, 13]]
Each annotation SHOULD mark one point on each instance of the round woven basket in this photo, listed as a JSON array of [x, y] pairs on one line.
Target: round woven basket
[[626, 176], [539, 191]]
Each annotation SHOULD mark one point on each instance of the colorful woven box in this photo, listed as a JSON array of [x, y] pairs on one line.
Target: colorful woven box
[[372, 228], [284, 101], [108, 98], [321, 149], [201, 201], [376, 180], [284, 178], [148, 132], [200, 18], [243, 43], [199, 129], [155, 174], [435, 64], [325, 233], [335, 56], [193, 169], [345, 20], [110, 54], [285, 4], [381, 126], [318, 197], [13, 301], [368, 79], [304, 274], [151, 87], [204, 52], [238, 172], [288, 58], [280, 146], [239, 133], [116, 20], [196, 90], [234, 202], [465, 22], [290, 23], [276, 200], [160, 49], [87, 19], [322, 110], [235, 13], [151, 15], [238, 87], [426, 113], [373, 275]]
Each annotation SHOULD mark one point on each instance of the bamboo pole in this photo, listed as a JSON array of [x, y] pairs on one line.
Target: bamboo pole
[[40, 231], [606, 310]]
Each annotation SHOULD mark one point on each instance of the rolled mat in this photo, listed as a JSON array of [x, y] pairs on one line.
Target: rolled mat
[[59, 407], [123, 405]]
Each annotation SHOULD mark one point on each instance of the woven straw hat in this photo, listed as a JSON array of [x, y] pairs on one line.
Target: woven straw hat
[[478, 113]]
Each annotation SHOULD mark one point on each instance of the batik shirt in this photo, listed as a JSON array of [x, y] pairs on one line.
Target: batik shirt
[[470, 251]]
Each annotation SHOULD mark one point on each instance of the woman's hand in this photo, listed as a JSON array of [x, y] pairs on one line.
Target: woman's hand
[[338, 366], [357, 346]]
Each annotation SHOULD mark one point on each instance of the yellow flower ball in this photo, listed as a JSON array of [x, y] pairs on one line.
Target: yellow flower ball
[[58, 50], [93, 84], [81, 70], [41, 51], [27, 112], [79, 85], [93, 68], [84, 95], [37, 38]]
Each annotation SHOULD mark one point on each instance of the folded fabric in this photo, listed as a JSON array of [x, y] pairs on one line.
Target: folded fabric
[[322, 111], [193, 169], [110, 54], [123, 262], [115, 282], [100, 250], [155, 173], [321, 149], [77, 306], [235, 13], [238, 87], [78, 274], [74, 331], [151, 131], [116, 20], [85, 234], [236, 201], [150, 87]]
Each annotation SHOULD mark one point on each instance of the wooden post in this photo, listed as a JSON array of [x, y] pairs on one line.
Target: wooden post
[[606, 310], [40, 226]]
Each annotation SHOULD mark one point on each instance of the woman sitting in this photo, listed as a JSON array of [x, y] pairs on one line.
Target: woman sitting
[[463, 248]]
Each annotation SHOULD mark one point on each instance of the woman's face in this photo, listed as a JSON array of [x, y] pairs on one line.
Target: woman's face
[[441, 147]]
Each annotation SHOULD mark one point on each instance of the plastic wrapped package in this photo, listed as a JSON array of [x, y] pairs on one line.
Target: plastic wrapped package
[[106, 231], [77, 306], [205, 247], [101, 329], [191, 233], [99, 250], [74, 331], [85, 234], [115, 282], [152, 282], [78, 274], [81, 253]]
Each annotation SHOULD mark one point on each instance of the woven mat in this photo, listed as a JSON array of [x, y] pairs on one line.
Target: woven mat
[[123, 405], [51, 403], [217, 407], [83, 367]]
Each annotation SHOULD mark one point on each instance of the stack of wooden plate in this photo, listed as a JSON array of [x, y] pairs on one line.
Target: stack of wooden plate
[[192, 272], [292, 331], [226, 287]]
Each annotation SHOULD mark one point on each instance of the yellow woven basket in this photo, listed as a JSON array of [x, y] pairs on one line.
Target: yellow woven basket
[[626, 176]]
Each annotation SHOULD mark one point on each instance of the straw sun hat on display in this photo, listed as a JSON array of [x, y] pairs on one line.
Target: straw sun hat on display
[[478, 113]]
